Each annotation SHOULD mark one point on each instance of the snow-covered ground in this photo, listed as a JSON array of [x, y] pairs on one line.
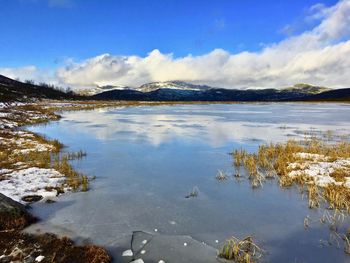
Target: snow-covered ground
[[319, 167], [17, 178], [31, 181]]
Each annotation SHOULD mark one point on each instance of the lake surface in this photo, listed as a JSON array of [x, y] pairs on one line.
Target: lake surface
[[147, 159]]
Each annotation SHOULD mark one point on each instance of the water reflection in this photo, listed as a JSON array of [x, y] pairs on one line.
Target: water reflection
[[147, 159], [216, 126]]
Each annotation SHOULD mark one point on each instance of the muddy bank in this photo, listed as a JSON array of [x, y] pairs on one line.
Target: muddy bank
[[16, 246], [20, 247], [25, 169]]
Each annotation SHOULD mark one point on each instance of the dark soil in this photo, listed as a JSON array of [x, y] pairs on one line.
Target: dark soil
[[16, 246]]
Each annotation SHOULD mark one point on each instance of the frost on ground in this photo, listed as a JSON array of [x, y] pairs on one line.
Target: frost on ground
[[32, 181], [26, 159], [320, 168], [25, 168]]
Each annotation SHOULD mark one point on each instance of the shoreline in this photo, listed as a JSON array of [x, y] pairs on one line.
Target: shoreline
[[32, 168], [21, 142], [23, 156]]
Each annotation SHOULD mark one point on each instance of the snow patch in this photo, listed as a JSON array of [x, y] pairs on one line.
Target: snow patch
[[31, 181], [317, 167], [128, 253]]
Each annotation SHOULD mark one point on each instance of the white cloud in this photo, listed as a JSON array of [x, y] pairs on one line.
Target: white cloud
[[30, 73], [319, 56], [23, 73]]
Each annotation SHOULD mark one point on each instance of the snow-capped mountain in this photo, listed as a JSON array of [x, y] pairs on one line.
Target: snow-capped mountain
[[98, 89], [176, 85]]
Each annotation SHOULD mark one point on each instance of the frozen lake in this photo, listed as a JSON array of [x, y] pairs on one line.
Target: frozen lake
[[147, 159]]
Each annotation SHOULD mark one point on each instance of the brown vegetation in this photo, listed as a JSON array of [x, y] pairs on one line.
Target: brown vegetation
[[240, 251], [18, 247]]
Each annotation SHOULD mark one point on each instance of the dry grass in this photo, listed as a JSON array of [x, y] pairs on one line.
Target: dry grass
[[313, 196], [337, 197], [340, 174], [280, 159], [241, 251], [22, 149]]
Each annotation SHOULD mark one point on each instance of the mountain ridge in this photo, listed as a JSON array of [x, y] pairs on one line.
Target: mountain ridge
[[13, 90], [170, 91]]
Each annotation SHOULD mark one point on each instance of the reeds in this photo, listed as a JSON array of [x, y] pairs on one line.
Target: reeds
[[239, 156], [337, 197], [340, 174], [76, 155], [193, 193], [241, 251], [313, 196], [75, 180], [221, 176], [281, 159]]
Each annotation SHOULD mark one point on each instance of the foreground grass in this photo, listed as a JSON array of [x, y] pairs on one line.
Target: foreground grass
[[20, 149], [320, 168], [240, 251]]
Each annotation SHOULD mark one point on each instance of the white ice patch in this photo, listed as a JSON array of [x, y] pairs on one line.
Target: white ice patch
[[39, 258], [128, 253], [31, 181]]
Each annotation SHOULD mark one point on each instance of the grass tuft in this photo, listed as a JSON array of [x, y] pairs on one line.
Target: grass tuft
[[241, 251], [221, 176]]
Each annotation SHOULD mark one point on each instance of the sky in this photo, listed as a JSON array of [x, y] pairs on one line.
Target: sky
[[223, 43]]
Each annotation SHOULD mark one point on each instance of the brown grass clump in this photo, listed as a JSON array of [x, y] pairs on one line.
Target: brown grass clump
[[241, 251], [337, 196], [280, 159], [340, 174], [75, 180], [239, 156], [313, 196]]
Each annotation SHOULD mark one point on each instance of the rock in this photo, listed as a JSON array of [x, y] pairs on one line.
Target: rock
[[32, 198], [13, 215]]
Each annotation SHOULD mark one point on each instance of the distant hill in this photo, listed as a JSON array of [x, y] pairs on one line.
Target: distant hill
[[174, 85], [182, 91], [13, 90], [100, 89], [330, 95], [307, 89]]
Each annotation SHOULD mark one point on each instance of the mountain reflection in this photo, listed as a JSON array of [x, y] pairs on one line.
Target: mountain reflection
[[215, 125]]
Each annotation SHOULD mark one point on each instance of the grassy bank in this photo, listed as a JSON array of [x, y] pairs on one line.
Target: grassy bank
[[318, 166]]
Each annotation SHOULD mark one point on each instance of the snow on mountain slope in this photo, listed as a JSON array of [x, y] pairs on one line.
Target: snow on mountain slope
[[178, 85]]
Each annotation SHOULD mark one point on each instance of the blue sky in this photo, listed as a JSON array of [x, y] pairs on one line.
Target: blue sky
[[47, 32], [226, 43]]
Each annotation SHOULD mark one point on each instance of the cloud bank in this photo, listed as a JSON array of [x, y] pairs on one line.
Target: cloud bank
[[320, 56]]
